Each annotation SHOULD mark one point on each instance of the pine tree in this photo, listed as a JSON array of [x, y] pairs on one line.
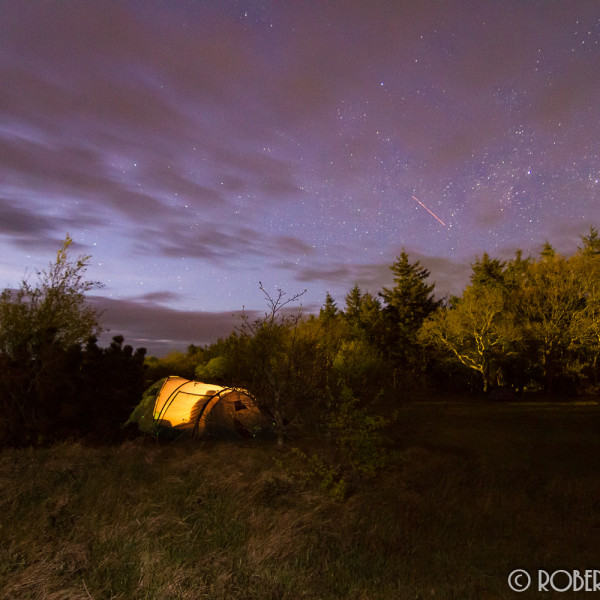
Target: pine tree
[[487, 271], [329, 310], [548, 252], [411, 300], [515, 272], [591, 243], [353, 304], [407, 305]]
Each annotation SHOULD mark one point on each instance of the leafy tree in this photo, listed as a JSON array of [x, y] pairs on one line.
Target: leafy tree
[[476, 331], [552, 309], [53, 311], [276, 360], [39, 324], [174, 363], [213, 371], [588, 265]]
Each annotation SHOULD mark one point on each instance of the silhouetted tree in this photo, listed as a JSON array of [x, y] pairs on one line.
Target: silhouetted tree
[[275, 361], [39, 326], [112, 382], [329, 310]]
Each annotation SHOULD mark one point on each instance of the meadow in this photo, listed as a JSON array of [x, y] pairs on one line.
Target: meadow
[[472, 490]]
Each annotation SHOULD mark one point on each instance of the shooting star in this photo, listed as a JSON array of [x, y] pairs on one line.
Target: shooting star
[[432, 214]]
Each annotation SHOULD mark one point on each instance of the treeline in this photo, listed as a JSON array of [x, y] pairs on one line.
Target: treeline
[[526, 324], [529, 324]]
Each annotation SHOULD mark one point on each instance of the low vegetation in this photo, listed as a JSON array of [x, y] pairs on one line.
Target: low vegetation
[[471, 491]]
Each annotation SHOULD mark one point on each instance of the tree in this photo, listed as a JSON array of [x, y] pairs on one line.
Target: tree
[[411, 300], [53, 311], [548, 252], [277, 362], [553, 308], [487, 271], [329, 310], [363, 316], [112, 383], [588, 265], [353, 306], [407, 305], [590, 243], [515, 271], [38, 325], [476, 331]]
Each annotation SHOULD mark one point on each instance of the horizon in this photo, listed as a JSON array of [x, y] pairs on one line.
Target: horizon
[[194, 150]]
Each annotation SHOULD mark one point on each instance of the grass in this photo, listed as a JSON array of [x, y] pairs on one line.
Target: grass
[[472, 491]]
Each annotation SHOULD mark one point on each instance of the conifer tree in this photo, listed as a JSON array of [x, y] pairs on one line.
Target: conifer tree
[[329, 310], [411, 300], [487, 271], [407, 305], [590, 243], [353, 304], [548, 252]]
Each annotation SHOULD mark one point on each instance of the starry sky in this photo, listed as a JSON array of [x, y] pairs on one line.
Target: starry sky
[[195, 149]]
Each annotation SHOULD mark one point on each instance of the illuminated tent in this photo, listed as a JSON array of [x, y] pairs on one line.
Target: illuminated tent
[[176, 406]]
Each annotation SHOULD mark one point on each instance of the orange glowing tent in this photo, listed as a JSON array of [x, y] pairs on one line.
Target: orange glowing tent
[[176, 406]]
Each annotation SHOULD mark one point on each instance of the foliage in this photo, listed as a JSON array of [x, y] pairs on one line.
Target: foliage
[[214, 371], [276, 360], [476, 331], [357, 434], [50, 386], [52, 313], [525, 323], [406, 305], [522, 324], [174, 363], [314, 468], [41, 327], [411, 300], [110, 384], [357, 448]]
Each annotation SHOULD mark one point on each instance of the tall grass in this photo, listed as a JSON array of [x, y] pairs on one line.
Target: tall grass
[[470, 493]]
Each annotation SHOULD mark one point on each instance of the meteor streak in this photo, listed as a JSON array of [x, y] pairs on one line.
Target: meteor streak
[[433, 215]]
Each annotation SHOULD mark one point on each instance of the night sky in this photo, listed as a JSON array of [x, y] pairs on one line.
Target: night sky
[[197, 148]]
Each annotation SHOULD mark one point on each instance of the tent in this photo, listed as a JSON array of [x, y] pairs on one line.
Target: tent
[[175, 407]]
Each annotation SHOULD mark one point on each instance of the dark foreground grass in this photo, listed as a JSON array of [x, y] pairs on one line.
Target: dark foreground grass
[[472, 492]]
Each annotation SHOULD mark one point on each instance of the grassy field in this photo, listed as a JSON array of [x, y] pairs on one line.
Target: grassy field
[[473, 491]]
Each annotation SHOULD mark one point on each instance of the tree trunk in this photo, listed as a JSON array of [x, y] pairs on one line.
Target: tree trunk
[[279, 428]]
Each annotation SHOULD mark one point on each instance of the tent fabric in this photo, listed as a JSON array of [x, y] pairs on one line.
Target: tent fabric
[[176, 406]]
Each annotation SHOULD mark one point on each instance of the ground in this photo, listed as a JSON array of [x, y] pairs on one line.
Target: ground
[[473, 490]]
